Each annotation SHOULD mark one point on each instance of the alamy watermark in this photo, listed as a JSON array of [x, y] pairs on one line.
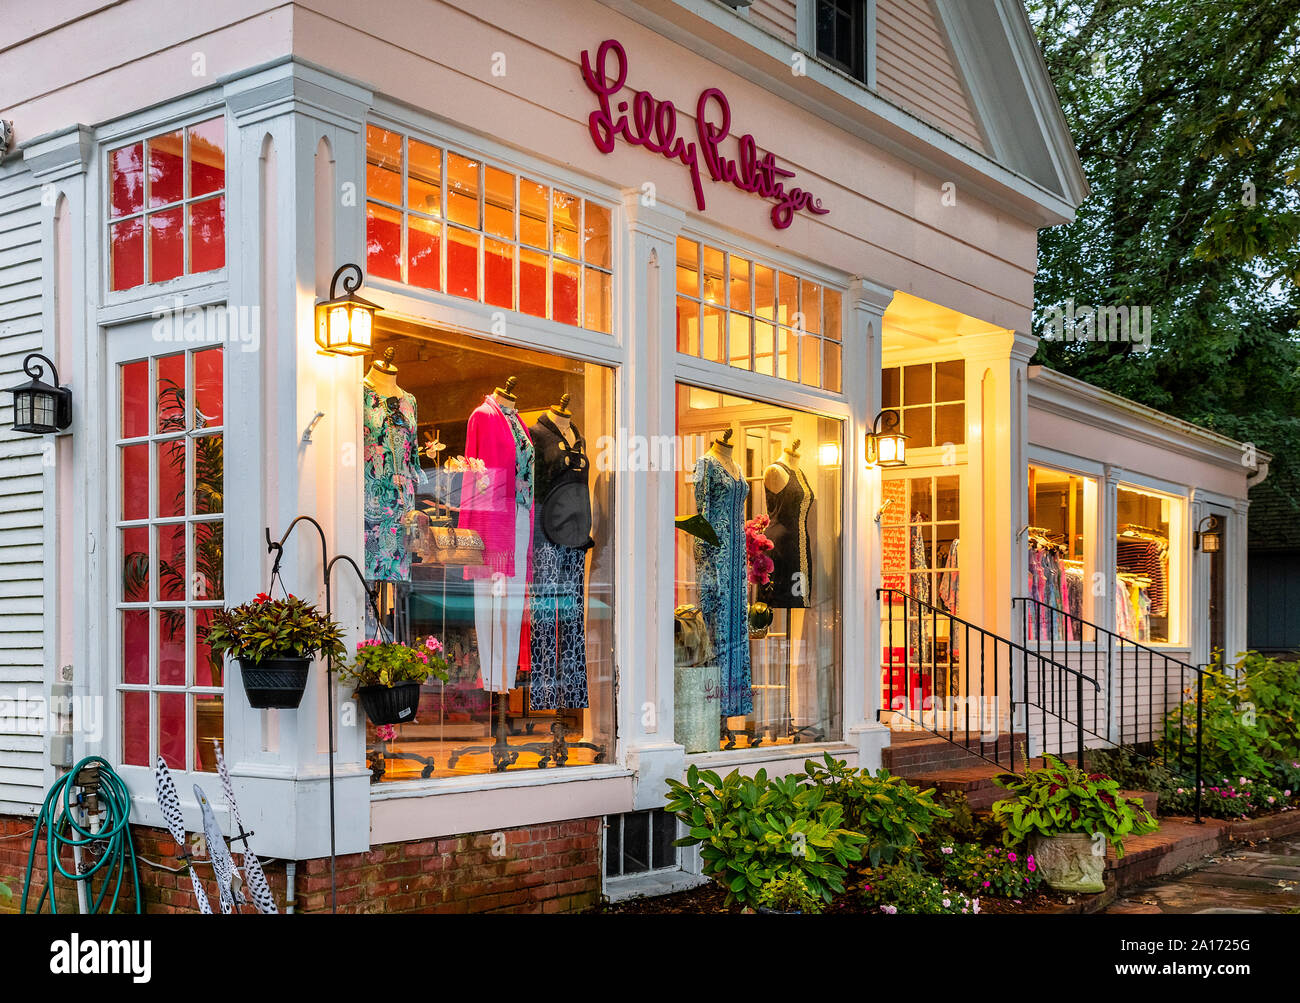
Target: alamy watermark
[[220, 324], [1122, 323]]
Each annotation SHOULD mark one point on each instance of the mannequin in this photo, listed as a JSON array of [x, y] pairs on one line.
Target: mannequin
[[391, 461], [502, 515], [562, 536], [720, 493], [382, 377], [789, 499]]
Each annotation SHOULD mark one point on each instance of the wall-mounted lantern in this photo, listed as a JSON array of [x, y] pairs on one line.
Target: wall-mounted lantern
[[886, 445], [1208, 539], [38, 407], [344, 323]]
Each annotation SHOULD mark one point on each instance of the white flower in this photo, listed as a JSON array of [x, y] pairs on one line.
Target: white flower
[[975, 905], [947, 903], [947, 849]]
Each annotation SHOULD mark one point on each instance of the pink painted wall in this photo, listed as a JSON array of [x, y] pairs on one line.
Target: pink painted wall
[[886, 221], [1054, 431]]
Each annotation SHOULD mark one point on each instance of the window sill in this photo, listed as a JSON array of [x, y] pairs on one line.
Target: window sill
[[651, 884], [494, 781], [770, 754]]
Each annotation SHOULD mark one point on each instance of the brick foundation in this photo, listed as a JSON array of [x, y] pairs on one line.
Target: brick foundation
[[549, 868]]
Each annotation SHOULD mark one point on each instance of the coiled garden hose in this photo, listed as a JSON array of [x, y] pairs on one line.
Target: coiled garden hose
[[111, 843]]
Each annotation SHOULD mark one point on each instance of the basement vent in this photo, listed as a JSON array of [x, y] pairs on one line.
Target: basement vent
[[639, 842]]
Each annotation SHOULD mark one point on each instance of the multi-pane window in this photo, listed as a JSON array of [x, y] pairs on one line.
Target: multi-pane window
[[170, 477], [744, 313], [167, 205], [931, 399], [444, 220], [842, 35]]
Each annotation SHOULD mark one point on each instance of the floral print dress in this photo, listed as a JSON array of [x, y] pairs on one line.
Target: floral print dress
[[391, 460]]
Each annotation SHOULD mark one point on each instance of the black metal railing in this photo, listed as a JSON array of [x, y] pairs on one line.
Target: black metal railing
[[1119, 666], [957, 683]]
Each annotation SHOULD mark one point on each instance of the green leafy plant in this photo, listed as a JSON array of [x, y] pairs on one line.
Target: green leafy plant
[[1228, 797], [751, 830], [789, 892], [274, 628], [985, 870], [962, 824], [389, 663], [1060, 799], [892, 814], [1250, 720], [899, 888]]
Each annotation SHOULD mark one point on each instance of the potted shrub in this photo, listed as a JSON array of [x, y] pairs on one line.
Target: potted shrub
[[274, 641], [388, 674], [1069, 817]]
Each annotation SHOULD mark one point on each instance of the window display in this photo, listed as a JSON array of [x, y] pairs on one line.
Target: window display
[[1059, 504], [487, 529], [758, 587], [1148, 566]]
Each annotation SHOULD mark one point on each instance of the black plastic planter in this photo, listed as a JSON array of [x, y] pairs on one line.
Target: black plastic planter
[[390, 704], [274, 683]]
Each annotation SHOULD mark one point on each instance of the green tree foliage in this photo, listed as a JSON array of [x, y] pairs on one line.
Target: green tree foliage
[[1186, 114]]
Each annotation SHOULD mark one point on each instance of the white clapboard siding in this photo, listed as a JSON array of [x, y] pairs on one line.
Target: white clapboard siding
[[22, 502]]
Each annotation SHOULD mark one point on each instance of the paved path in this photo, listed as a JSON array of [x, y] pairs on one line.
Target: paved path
[[1265, 879]]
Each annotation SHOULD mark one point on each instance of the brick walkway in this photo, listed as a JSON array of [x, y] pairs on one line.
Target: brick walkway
[[1265, 879]]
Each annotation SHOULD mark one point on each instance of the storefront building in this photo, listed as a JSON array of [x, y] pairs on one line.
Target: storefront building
[[642, 260]]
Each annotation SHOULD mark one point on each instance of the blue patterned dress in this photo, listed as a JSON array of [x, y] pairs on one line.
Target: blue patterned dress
[[723, 581], [392, 470]]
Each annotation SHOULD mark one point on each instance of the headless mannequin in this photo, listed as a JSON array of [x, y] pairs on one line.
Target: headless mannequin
[[504, 396], [563, 418], [720, 450], [775, 477], [382, 377]]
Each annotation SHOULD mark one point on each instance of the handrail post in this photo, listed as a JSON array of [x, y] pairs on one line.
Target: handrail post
[[1200, 676], [1078, 707]]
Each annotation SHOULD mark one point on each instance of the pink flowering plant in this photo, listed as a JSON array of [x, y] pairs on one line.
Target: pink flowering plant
[[985, 871], [391, 663], [899, 888], [756, 547]]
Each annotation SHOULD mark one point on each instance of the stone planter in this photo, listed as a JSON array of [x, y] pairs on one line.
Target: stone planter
[[1068, 863]]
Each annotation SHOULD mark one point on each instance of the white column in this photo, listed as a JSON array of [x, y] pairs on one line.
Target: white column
[[644, 497], [278, 119], [863, 344]]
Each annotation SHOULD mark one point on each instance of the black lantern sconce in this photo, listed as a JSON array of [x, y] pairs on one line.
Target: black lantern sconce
[[38, 407], [1208, 539], [344, 324], [886, 445]]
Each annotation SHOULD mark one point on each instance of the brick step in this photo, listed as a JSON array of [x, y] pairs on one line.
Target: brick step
[[929, 753]]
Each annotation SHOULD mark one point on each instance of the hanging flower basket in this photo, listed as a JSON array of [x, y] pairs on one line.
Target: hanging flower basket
[[390, 704], [274, 683], [274, 641]]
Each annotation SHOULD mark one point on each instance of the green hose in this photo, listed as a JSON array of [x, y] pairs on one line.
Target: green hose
[[112, 841]]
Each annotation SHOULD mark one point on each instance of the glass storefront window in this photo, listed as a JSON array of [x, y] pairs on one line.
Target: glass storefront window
[[758, 640], [930, 398], [447, 221], [920, 553], [1062, 512], [455, 488], [1148, 565], [749, 315]]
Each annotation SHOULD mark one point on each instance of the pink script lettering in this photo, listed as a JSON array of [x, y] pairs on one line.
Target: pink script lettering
[[646, 121]]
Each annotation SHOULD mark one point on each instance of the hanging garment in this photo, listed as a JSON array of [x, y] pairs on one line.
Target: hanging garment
[[919, 631], [391, 461], [1150, 558], [1074, 602], [723, 581], [557, 607], [1037, 615], [488, 503], [499, 615], [948, 590], [789, 510], [558, 636], [1125, 620]]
